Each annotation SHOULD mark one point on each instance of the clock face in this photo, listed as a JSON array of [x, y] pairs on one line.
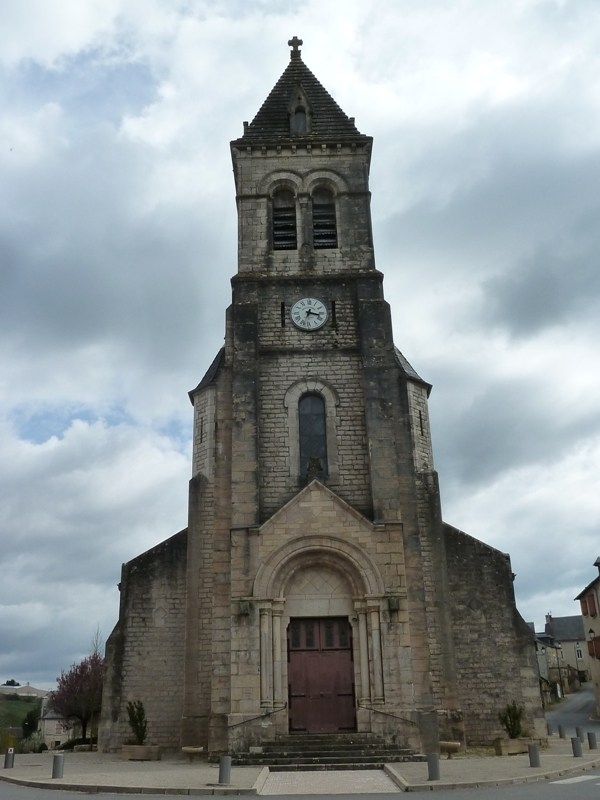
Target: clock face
[[309, 314]]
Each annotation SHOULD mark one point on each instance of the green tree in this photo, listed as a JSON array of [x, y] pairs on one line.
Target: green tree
[[30, 723]]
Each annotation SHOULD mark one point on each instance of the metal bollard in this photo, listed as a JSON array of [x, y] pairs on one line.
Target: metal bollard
[[433, 767], [579, 732], [592, 744], [9, 758], [576, 745], [224, 770], [561, 732], [58, 765], [534, 755]]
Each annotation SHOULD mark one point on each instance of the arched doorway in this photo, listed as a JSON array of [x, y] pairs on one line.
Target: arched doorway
[[320, 659], [320, 642]]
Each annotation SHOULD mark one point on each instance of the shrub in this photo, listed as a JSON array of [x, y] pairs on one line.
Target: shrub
[[70, 743], [510, 719], [137, 721], [32, 743]]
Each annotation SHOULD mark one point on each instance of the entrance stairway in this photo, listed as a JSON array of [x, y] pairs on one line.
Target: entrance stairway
[[307, 751]]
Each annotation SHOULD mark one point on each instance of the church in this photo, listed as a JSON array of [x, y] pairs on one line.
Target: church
[[316, 588]]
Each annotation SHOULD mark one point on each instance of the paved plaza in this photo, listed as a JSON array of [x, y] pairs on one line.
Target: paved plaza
[[93, 772]]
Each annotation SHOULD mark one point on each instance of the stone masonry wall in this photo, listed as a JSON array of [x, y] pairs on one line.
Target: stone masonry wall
[[495, 655], [145, 650], [204, 433]]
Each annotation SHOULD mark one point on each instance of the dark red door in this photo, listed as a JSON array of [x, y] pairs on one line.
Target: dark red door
[[321, 675]]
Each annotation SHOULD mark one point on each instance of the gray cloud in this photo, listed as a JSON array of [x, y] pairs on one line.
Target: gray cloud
[[118, 240]]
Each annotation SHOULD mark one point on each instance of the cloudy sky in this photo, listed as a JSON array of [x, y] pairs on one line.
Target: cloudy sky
[[118, 240]]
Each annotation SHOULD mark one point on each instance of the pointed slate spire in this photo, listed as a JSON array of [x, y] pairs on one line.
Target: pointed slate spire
[[298, 92]]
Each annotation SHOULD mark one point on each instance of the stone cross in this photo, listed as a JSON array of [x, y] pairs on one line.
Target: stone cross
[[295, 44]]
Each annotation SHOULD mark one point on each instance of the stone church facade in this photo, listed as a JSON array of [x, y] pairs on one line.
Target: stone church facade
[[316, 588]]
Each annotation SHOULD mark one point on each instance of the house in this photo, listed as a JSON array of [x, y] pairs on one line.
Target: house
[[54, 728], [589, 599], [567, 635]]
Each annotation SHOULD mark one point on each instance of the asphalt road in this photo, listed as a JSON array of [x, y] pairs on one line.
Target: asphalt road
[[576, 710]]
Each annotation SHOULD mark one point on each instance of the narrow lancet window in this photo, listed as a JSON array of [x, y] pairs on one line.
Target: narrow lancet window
[[284, 221], [313, 436], [324, 220]]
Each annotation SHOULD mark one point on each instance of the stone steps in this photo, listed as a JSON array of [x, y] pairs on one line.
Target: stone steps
[[326, 751]]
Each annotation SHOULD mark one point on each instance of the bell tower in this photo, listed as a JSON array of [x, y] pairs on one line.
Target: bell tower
[[312, 448]]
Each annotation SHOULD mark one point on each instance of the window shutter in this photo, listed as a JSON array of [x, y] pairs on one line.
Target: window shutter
[[584, 606], [591, 602], [284, 222], [324, 220]]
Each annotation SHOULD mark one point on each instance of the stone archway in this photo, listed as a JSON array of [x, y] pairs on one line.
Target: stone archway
[[322, 578]]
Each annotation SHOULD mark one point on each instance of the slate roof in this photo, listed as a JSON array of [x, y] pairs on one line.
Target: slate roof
[[210, 374], [327, 120], [409, 370], [566, 628]]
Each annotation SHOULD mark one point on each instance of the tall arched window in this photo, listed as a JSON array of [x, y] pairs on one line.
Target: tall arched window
[[324, 221], [284, 221], [312, 436]]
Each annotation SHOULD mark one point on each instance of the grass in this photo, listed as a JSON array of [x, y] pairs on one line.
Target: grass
[[13, 710]]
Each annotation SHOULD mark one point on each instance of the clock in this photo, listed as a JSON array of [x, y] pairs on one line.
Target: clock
[[308, 314]]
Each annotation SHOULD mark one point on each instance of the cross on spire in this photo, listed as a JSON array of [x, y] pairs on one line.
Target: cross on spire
[[295, 44]]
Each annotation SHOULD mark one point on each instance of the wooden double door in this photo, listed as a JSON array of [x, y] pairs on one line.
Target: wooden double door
[[321, 675]]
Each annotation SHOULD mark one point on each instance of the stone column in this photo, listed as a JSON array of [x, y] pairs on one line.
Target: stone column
[[364, 655], [266, 659], [277, 687], [377, 695]]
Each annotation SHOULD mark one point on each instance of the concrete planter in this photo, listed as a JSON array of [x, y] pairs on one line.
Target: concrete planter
[[140, 752], [511, 747]]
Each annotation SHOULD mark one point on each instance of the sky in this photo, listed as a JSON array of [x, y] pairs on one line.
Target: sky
[[118, 242]]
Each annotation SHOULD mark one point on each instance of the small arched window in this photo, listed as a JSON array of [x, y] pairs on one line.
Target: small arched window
[[284, 221], [324, 220], [312, 436], [299, 120]]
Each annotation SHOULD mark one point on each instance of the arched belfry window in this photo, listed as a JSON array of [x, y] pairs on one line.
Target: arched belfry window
[[324, 219], [299, 120], [284, 221], [312, 434]]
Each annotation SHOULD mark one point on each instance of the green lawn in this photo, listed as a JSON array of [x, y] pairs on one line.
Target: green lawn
[[13, 710]]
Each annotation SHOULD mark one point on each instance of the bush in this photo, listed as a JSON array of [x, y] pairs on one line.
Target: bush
[[32, 743], [510, 719], [71, 743], [137, 721]]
